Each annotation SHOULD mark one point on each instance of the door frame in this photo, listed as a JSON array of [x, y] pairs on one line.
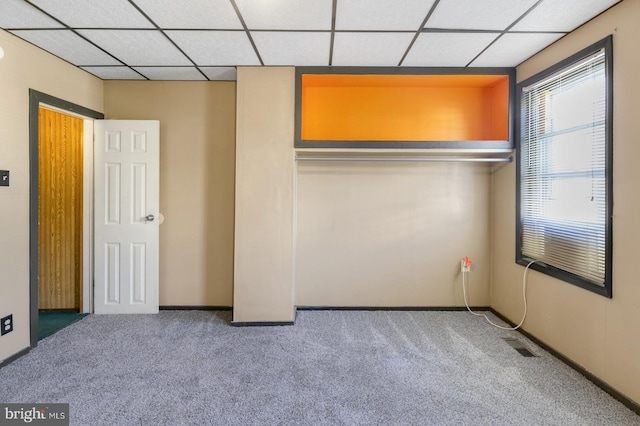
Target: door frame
[[37, 99]]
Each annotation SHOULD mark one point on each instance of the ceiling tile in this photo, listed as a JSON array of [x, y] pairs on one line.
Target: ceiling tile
[[386, 15], [141, 47], [512, 49], [220, 73], [288, 32], [213, 14], [477, 14], [562, 15], [370, 49], [447, 49], [18, 14], [209, 48], [95, 13], [68, 46], [114, 73], [171, 73], [291, 48], [286, 14]]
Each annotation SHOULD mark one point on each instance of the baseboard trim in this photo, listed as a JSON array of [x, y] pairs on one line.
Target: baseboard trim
[[15, 356], [627, 402], [391, 308], [260, 323], [194, 308], [327, 308]]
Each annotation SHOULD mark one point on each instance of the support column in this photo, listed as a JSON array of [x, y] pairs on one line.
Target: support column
[[264, 204]]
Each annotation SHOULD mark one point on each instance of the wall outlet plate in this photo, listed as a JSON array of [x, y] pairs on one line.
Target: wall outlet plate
[[6, 325]]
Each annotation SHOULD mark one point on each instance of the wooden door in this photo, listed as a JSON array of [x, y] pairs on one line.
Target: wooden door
[[60, 203], [127, 191]]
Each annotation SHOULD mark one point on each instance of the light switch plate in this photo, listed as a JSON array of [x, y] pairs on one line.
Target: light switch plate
[[4, 177]]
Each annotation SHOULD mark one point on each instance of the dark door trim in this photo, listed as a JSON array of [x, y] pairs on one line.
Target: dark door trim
[[35, 99]]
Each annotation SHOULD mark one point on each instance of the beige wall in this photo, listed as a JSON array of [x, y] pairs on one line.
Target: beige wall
[[391, 234], [23, 67], [264, 232], [197, 155], [599, 334], [350, 220]]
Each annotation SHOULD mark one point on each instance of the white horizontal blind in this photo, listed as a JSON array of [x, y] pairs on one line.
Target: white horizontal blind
[[562, 169]]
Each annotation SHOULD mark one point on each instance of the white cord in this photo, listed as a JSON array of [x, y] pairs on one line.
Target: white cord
[[524, 298]]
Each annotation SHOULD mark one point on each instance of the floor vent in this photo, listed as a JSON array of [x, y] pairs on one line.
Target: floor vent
[[518, 346]]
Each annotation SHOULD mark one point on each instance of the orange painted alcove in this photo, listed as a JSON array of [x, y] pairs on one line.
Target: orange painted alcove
[[370, 108]]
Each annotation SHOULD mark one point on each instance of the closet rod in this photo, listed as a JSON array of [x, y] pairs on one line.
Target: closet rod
[[425, 159]]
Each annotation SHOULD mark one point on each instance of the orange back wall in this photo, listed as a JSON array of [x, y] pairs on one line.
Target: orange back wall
[[404, 107]]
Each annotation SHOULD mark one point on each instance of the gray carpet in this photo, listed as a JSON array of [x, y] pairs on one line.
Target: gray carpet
[[331, 368]]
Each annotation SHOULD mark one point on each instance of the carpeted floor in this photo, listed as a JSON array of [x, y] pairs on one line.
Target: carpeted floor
[[331, 368], [50, 322]]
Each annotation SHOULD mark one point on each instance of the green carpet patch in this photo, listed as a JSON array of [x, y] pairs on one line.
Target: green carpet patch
[[50, 322]]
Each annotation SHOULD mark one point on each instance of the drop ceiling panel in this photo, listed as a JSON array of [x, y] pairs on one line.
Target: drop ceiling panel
[[220, 73], [141, 47], [212, 33], [447, 49], [562, 15], [18, 14], [477, 14], [291, 48], [370, 49], [94, 13], [114, 73], [170, 73], [68, 46], [512, 49], [386, 15], [286, 14], [218, 14], [210, 48]]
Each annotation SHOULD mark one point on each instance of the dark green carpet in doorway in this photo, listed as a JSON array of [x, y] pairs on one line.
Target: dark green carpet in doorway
[[50, 322]]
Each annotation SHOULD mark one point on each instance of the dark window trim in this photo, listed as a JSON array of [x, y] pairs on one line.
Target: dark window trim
[[606, 290], [35, 99], [508, 71]]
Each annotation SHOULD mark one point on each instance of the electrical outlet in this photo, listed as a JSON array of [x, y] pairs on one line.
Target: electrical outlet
[[6, 325], [465, 264]]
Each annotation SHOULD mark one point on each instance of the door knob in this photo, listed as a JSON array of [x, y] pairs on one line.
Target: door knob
[[149, 218]]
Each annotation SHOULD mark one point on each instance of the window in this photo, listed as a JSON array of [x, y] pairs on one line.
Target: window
[[564, 169]]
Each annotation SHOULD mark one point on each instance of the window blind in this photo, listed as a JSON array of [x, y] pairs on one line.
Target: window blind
[[563, 179]]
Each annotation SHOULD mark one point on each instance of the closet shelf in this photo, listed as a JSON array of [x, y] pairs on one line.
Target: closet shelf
[[429, 109]]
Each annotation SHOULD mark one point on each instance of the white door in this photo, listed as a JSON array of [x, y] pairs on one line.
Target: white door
[[127, 184]]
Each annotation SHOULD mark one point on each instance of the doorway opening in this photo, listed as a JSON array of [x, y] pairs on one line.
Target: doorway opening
[[37, 100]]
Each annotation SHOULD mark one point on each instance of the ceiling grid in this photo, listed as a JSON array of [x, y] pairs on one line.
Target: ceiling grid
[[333, 30], [422, 25], [189, 75], [208, 39]]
